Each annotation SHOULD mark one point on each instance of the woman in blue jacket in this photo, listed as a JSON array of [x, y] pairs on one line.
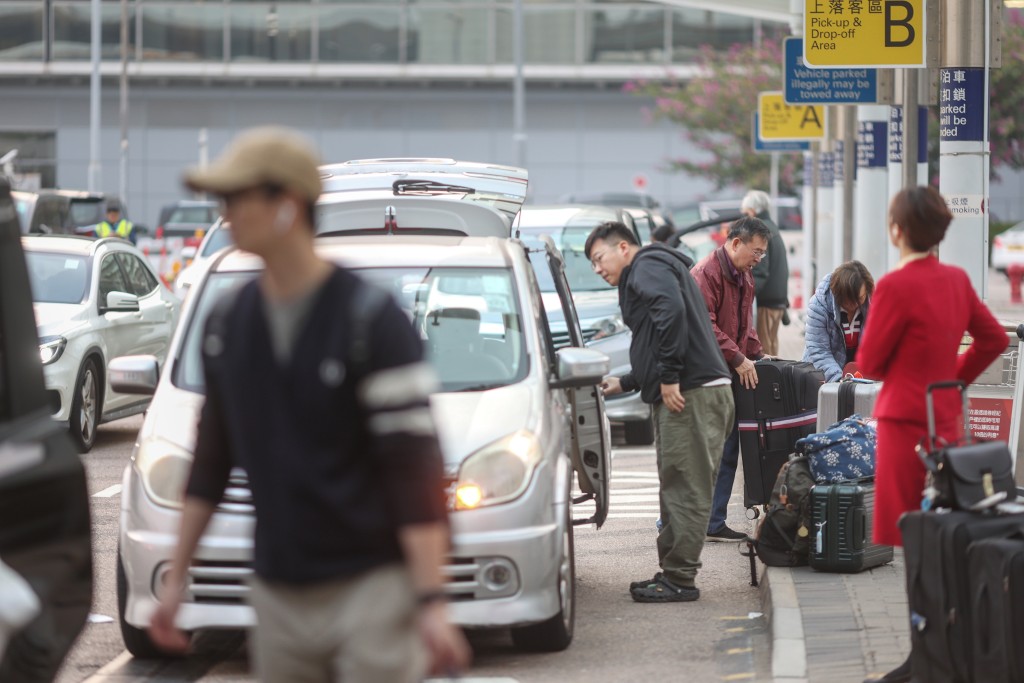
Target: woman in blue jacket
[[835, 318]]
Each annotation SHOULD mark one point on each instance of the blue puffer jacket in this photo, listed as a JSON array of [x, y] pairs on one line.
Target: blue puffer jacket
[[825, 345]]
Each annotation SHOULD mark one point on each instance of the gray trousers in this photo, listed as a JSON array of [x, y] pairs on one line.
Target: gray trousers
[[689, 447]]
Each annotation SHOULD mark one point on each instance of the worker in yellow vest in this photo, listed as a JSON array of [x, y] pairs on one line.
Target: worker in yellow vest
[[115, 226]]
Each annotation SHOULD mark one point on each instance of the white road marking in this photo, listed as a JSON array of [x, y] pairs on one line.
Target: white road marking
[[111, 667], [108, 492]]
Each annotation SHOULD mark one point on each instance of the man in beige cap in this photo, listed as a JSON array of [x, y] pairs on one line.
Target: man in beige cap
[[351, 523]]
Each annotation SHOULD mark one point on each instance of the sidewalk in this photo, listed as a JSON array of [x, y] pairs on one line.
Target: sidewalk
[[841, 628]]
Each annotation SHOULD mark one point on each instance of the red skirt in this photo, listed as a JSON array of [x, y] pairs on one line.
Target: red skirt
[[899, 475]]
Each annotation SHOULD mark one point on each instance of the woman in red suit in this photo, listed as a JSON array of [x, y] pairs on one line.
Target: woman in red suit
[[919, 313]]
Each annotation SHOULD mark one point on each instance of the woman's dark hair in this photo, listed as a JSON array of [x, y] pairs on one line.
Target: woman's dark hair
[[922, 214], [847, 281], [747, 228], [609, 231]]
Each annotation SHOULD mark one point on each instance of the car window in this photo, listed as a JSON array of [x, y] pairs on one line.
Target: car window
[[24, 208], [193, 214], [49, 215], [57, 278], [111, 278], [86, 212], [219, 238], [578, 269], [140, 279]]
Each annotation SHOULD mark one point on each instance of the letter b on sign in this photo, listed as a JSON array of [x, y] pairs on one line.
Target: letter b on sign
[[898, 31]]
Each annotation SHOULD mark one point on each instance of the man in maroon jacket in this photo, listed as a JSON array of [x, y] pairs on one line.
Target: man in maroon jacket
[[728, 287]]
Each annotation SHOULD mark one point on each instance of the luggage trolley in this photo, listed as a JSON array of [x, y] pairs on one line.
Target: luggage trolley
[[997, 398]]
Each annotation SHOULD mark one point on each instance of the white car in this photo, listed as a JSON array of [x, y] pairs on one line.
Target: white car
[[520, 421], [216, 238], [1008, 248], [94, 300]]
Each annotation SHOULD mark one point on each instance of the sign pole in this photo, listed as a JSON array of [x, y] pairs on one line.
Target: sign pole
[[835, 122], [850, 178], [910, 127], [823, 234], [870, 236]]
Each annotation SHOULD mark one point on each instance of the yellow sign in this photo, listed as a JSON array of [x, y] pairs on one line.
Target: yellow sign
[[781, 121], [864, 33]]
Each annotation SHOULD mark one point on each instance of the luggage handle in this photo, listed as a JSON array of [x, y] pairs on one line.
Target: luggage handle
[[930, 405]]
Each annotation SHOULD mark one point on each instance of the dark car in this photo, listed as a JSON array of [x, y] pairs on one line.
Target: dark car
[[185, 217], [64, 212], [44, 503]]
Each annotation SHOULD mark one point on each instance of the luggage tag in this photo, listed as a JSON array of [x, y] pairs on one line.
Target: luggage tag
[[819, 541]]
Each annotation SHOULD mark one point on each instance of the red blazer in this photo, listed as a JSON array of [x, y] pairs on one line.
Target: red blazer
[[919, 314], [731, 317]]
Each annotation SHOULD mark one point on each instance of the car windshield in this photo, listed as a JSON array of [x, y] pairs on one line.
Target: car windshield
[[24, 209], [468, 318], [57, 278], [88, 212], [219, 238], [578, 269], [193, 214]]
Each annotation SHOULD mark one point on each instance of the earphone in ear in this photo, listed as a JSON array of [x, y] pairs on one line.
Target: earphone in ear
[[285, 216]]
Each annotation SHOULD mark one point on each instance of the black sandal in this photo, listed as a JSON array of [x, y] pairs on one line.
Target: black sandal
[[664, 590], [646, 582]]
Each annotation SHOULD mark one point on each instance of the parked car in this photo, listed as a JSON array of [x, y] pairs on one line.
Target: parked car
[[45, 534], [640, 199], [517, 419], [597, 302], [61, 212], [94, 300], [1008, 248], [217, 237], [186, 218]]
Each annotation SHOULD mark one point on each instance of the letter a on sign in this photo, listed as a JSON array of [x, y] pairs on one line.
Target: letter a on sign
[[780, 121], [866, 35]]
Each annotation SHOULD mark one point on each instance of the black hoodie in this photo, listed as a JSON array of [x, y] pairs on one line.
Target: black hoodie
[[673, 342]]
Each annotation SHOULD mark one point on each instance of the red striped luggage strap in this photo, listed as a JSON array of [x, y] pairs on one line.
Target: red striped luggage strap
[[801, 420]]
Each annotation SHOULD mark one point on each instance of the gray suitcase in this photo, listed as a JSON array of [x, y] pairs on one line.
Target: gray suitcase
[[839, 400]]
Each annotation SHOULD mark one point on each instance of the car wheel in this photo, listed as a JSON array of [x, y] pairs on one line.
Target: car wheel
[[136, 640], [85, 406], [555, 634], [640, 433]]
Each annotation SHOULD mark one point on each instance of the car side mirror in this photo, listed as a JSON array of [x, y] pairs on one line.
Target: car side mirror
[[121, 302], [578, 367], [134, 374]]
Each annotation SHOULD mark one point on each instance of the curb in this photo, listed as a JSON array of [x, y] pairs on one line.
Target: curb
[[779, 602]]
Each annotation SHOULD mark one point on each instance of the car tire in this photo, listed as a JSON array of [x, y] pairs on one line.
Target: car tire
[[86, 406], [555, 634], [640, 433], [136, 640]]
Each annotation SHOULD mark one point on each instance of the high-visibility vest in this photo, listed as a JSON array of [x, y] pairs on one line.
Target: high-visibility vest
[[123, 229]]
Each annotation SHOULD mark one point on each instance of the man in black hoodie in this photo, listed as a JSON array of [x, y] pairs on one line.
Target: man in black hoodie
[[678, 368]]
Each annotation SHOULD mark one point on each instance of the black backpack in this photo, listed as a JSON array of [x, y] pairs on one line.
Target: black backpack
[[783, 536]]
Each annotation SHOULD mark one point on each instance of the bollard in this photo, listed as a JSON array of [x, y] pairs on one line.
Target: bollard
[[1015, 273]]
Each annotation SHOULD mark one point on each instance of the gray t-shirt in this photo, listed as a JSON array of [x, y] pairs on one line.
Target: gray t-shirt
[[285, 320]]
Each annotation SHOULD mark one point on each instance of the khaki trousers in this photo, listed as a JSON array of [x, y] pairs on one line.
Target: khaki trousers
[[356, 630], [689, 449], [768, 320]]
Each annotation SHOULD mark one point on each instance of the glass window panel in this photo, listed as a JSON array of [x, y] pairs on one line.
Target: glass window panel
[[72, 34], [624, 35], [693, 28], [449, 35], [549, 35], [359, 35], [21, 31], [272, 33], [191, 32]]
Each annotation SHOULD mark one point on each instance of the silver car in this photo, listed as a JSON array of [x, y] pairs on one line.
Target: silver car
[[597, 302], [520, 422]]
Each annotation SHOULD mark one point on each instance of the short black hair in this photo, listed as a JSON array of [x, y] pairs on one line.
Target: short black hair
[[747, 228], [610, 231]]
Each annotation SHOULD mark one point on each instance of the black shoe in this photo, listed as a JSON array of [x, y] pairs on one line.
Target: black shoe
[[664, 590], [646, 582], [901, 674], [726, 535]]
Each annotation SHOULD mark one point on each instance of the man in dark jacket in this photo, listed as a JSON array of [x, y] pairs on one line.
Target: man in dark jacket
[[678, 369], [771, 275], [725, 281]]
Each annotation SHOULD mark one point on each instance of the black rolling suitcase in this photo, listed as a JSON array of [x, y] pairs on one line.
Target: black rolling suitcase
[[996, 568], [771, 417], [841, 528], [939, 588]]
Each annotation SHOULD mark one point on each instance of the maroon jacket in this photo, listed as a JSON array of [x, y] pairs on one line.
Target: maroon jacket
[[731, 318]]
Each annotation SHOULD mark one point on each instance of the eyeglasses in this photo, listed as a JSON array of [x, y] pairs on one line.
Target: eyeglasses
[[758, 253], [595, 260]]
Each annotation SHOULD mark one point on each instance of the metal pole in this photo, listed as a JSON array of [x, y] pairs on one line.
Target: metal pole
[[773, 184], [123, 185], [94, 100], [910, 127], [849, 175], [519, 87]]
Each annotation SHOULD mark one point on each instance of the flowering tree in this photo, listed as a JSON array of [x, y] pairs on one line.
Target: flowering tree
[[1006, 98]]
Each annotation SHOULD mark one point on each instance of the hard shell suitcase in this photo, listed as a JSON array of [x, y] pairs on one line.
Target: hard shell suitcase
[[771, 417], [996, 567], [939, 588], [839, 400], [841, 528]]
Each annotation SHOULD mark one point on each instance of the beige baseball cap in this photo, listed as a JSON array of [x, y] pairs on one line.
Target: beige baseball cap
[[270, 155]]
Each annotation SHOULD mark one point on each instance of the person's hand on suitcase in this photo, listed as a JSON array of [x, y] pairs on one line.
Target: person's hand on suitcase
[[747, 373], [674, 400], [611, 386]]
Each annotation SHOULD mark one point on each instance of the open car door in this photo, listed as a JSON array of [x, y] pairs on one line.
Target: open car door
[[44, 504], [591, 435]]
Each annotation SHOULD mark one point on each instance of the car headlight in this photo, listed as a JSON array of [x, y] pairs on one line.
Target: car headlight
[[51, 348], [606, 327], [498, 472], [163, 469]]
